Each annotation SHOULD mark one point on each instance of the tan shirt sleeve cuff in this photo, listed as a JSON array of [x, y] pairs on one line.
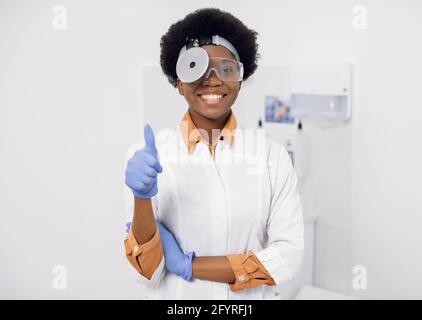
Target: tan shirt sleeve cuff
[[146, 257], [249, 272]]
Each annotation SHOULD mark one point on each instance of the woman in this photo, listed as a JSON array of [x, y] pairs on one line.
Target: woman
[[211, 219]]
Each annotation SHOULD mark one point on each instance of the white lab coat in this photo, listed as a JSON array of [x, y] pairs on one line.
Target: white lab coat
[[244, 200]]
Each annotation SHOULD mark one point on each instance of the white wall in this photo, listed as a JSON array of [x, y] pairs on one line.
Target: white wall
[[69, 108]]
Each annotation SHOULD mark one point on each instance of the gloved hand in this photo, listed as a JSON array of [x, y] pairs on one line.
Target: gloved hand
[[176, 261], [143, 167]]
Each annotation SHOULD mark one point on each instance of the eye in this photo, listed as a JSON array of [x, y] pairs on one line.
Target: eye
[[228, 70]]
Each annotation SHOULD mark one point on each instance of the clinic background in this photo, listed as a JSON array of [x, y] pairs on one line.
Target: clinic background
[[71, 104]]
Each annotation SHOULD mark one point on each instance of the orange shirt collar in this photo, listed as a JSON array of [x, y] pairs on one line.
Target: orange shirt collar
[[191, 135]]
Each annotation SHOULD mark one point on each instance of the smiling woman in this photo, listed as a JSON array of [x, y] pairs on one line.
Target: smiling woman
[[220, 231], [197, 55], [210, 99]]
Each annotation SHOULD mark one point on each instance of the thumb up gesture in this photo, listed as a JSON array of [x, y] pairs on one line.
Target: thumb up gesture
[[144, 166]]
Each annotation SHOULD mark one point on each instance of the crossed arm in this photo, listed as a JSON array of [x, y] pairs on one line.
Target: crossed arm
[[148, 240], [213, 268]]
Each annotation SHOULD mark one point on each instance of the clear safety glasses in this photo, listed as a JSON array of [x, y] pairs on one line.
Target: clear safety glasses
[[195, 65], [227, 70]]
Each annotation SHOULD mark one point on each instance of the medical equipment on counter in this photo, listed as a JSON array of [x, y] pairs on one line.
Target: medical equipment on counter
[[297, 145]]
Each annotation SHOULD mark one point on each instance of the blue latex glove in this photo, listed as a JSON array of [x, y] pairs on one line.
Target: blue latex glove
[[143, 167], [128, 225], [176, 261]]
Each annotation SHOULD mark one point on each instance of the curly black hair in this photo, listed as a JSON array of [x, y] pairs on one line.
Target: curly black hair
[[208, 22]]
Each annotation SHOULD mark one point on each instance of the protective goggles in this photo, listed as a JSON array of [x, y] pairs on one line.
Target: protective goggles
[[194, 64]]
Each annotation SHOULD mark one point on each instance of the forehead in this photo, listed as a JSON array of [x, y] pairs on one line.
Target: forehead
[[218, 51]]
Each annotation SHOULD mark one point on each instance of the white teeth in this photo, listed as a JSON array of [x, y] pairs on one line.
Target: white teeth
[[212, 96]]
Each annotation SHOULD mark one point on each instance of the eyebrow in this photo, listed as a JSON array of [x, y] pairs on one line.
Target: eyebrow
[[227, 60]]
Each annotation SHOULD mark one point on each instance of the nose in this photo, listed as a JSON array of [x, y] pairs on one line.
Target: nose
[[212, 77]]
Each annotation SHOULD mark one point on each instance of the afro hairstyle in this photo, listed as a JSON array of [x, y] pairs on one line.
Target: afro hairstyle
[[208, 22]]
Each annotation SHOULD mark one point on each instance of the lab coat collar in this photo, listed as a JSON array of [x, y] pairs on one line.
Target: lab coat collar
[[191, 135]]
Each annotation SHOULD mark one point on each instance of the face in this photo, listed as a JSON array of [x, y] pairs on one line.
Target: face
[[200, 95]]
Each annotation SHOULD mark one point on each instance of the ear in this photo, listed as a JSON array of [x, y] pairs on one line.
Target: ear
[[180, 87]]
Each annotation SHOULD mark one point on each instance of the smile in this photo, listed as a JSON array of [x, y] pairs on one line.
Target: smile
[[212, 98]]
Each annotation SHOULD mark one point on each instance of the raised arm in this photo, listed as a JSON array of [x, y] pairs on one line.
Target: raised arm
[[142, 244]]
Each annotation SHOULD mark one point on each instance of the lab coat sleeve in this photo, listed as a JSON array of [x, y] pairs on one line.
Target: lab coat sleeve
[[129, 207], [283, 256]]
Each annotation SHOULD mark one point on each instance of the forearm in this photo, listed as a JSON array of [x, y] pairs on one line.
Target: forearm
[[143, 224], [215, 268]]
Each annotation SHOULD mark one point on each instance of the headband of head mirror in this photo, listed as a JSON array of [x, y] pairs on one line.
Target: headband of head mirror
[[193, 61]]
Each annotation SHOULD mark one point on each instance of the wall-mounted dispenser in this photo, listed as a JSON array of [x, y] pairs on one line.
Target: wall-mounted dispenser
[[322, 90]]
